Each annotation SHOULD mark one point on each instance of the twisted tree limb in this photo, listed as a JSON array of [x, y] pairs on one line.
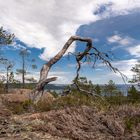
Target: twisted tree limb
[[46, 67], [89, 51]]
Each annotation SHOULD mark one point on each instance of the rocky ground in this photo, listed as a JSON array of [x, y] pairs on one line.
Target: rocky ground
[[82, 123], [72, 123], [14, 127]]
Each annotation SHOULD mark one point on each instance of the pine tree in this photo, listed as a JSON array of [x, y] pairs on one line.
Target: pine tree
[[5, 39], [133, 94], [136, 71], [110, 89], [97, 89]]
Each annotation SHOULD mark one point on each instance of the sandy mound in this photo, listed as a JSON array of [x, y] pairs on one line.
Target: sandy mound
[[21, 95]]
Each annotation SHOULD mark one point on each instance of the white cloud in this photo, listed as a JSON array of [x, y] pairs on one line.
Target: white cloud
[[123, 41], [135, 50], [46, 24], [102, 74], [125, 6], [120, 7], [62, 76], [129, 44], [49, 23], [124, 66]]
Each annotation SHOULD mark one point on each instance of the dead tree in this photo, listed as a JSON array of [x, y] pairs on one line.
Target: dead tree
[[90, 52]]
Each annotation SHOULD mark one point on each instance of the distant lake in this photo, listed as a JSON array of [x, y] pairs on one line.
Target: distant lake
[[59, 88], [124, 88]]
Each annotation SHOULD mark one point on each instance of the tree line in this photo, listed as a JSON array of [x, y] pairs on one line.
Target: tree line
[[9, 75]]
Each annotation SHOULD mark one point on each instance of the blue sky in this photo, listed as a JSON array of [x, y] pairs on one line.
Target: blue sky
[[113, 26]]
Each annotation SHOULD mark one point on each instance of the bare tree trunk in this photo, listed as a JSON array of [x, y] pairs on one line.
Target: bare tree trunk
[[95, 54], [23, 71], [7, 79], [38, 91]]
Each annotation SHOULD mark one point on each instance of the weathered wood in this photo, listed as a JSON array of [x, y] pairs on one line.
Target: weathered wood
[[47, 66], [95, 54]]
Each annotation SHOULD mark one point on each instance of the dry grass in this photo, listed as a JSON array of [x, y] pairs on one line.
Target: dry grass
[[75, 116], [80, 123]]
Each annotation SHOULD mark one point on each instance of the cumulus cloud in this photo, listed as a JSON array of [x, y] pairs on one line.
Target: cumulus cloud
[[49, 23], [125, 66], [135, 51], [129, 44], [62, 76], [118, 7], [123, 41]]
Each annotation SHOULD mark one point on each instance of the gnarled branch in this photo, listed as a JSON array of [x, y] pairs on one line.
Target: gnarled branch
[[46, 67], [90, 51]]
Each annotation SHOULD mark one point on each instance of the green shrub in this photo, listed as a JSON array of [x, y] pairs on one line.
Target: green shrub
[[27, 104], [43, 105], [29, 86], [2, 87], [55, 95], [131, 122], [117, 100], [74, 99], [133, 95], [19, 108], [15, 108]]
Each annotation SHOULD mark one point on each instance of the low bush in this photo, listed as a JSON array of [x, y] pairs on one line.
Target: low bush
[[74, 99], [131, 122], [27, 104], [117, 100], [19, 108], [2, 88]]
